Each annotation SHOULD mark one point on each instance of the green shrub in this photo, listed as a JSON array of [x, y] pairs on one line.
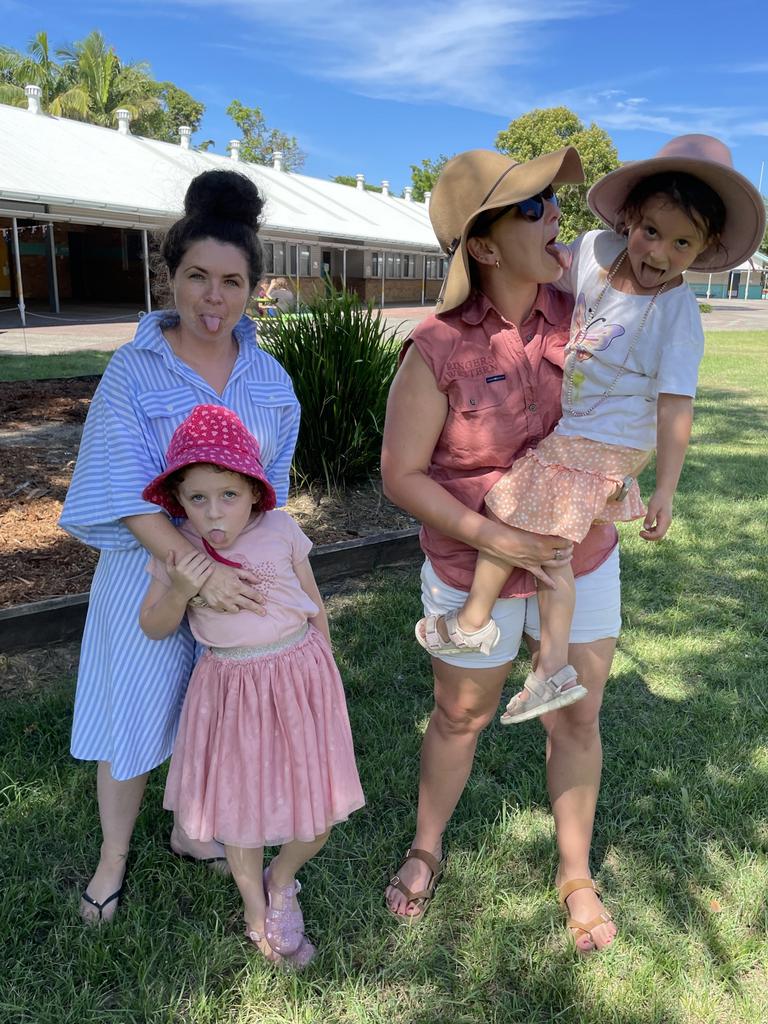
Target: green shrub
[[341, 357], [704, 307]]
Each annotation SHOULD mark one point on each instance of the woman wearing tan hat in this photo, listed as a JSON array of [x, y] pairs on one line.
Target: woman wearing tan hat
[[685, 208], [479, 384]]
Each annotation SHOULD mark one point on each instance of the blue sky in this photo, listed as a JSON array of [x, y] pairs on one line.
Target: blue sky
[[371, 87]]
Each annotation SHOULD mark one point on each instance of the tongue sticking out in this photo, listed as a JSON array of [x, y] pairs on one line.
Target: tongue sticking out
[[212, 323], [559, 252]]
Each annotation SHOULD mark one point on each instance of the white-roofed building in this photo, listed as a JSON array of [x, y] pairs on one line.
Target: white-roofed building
[[93, 196]]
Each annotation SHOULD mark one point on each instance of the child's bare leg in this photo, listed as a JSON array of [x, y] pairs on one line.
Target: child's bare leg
[[292, 856], [247, 867], [490, 576], [555, 616]]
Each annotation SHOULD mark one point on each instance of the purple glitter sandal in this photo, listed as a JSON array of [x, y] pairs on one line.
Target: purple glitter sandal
[[284, 926]]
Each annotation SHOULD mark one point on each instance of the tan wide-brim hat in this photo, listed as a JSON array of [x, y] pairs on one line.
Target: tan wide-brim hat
[[709, 160], [481, 180]]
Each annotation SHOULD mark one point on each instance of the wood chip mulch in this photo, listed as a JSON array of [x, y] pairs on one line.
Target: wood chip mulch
[[40, 426]]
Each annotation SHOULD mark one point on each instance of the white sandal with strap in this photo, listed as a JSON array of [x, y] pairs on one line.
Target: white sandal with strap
[[544, 695], [461, 641]]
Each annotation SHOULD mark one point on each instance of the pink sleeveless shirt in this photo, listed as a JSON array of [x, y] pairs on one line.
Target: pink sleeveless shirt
[[503, 390]]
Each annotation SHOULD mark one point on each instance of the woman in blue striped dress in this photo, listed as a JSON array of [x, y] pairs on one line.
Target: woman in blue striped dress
[[130, 689]]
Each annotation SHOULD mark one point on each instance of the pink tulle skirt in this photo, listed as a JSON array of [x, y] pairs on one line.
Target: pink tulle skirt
[[264, 752], [562, 487]]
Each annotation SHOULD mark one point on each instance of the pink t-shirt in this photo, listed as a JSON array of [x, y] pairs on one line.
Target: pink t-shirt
[[503, 389], [269, 547]]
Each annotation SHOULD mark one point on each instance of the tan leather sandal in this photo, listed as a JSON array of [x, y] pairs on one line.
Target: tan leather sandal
[[579, 928], [421, 899]]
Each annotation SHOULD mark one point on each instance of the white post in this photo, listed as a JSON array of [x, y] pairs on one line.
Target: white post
[[709, 286], [147, 289], [408, 194], [123, 121], [383, 264], [385, 188], [360, 182], [423, 278], [344, 269], [19, 282], [277, 160], [427, 198], [54, 270], [234, 150], [746, 286], [34, 94], [185, 135]]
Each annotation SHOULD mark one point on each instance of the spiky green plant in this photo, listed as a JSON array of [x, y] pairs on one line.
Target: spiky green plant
[[341, 357]]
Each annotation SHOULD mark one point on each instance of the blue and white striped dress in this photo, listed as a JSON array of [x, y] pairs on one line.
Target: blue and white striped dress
[[129, 688]]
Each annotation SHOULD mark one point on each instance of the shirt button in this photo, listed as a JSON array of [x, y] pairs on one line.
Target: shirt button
[[472, 401], [532, 407], [529, 337]]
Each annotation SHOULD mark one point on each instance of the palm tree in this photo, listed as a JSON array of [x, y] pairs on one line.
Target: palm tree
[[94, 68], [61, 97]]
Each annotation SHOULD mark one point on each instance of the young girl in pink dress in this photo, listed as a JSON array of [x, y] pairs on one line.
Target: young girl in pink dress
[[628, 384], [264, 752]]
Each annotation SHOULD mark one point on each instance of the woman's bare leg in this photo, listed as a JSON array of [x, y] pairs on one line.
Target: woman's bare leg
[[119, 803], [574, 765], [465, 702]]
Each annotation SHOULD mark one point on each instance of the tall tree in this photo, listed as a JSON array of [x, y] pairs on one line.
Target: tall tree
[[424, 176], [259, 141], [542, 131], [61, 96], [109, 84], [175, 108]]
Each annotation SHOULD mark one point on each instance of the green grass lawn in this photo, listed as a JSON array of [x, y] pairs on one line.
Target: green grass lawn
[[74, 364], [681, 836]]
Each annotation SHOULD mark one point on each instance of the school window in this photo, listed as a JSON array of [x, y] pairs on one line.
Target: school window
[[269, 258], [390, 264], [409, 265], [304, 262], [292, 259], [376, 264]]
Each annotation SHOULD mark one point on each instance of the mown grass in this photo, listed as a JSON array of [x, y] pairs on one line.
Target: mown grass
[[680, 845], [73, 364]]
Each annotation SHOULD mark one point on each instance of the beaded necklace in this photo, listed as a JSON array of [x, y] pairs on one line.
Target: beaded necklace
[[578, 346]]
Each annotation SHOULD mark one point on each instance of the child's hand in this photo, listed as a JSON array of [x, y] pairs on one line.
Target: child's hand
[[658, 518], [189, 573]]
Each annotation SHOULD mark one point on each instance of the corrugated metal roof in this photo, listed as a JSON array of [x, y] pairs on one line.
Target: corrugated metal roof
[[78, 167]]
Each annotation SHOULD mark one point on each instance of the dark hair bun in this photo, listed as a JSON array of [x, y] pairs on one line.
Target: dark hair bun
[[224, 196]]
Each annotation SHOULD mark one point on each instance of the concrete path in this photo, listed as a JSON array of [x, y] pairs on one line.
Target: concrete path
[[104, 329]]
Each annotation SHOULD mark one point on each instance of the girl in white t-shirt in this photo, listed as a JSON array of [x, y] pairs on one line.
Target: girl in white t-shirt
[[628, 384]]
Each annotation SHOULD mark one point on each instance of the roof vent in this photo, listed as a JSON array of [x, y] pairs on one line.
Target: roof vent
[[234, 150], [427, 197], [277, 160], [33, 94], [408, 194], [123, 121], [385, 188], [360, 179], [185, 134]]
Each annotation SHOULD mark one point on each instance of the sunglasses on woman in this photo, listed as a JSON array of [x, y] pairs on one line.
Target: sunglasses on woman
[[530, 209]]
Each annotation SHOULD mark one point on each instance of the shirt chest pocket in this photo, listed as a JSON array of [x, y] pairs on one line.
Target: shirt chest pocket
[[473, 396], [164, 411], [269, 404]]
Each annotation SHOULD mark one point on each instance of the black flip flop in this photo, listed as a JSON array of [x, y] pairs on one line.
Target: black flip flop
[[100, 906], [208, 861]]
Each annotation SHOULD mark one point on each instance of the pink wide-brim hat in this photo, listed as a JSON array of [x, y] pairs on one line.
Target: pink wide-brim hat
[[214, 435], [710, 160]]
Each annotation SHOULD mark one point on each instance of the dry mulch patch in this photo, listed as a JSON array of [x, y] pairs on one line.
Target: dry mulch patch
[[40, 426]]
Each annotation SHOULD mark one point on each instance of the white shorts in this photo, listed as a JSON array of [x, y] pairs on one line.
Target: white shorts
[[597, 614]]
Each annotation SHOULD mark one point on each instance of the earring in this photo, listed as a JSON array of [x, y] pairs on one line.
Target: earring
[[498, 264]]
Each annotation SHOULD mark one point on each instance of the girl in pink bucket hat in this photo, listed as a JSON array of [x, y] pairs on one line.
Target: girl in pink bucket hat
[[264, 751], [629, 379]]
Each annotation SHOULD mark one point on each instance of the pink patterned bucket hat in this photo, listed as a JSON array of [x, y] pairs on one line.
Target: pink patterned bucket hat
[[214, 435]]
